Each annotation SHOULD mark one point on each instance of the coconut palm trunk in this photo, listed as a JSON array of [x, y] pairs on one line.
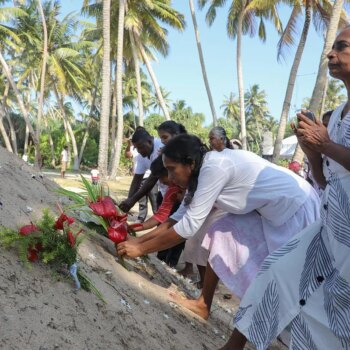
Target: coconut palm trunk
[[240, 80], [201, 59], [2, 115], [42, 82], [4, 134], [117, 147], [20, 103], [137, 76], [114, 107], [153, 78], [105, 98], [52, 145], [321, 80], [69, 129], [291, 84]]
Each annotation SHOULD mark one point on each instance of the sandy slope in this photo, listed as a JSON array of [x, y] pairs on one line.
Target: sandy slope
[[41, 311]]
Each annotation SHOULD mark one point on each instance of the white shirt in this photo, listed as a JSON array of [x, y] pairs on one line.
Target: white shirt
[[64, 155], [239, 182], [95, 173], [144, 163]]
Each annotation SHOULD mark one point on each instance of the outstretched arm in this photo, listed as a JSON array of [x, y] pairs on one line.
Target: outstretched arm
[[153, 243]]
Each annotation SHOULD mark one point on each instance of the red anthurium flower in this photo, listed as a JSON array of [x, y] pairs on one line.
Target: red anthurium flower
[[39, 247], [71, 238], [27, 229], [33, 255], [63, 218], [104, 207], [122, 218], [117, 232]]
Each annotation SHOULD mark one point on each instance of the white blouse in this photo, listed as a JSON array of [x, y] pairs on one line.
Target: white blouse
[[239, 182]]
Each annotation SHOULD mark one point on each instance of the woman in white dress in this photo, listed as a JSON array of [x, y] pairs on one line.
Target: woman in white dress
[[306, 284], [236, 181]]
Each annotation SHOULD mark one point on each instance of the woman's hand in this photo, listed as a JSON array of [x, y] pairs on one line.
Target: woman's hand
[[313, 136], [130, 248]]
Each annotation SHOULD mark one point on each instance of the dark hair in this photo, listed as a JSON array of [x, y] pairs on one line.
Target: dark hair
[[140, 134], [172, 128], [220, 132], [157, 167], [327, 114], [187, 149]]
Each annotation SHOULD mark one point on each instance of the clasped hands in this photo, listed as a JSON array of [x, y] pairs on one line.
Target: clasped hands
[[312, 136]]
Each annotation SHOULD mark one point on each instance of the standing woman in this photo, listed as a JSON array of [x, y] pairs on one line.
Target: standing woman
[[306, 284]]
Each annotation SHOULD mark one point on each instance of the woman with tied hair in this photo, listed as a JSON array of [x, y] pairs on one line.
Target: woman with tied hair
[[169, 129], [240, 183], [194, 253], [218, 139]]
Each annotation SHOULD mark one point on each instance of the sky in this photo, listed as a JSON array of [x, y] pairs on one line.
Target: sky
[[180, 71]]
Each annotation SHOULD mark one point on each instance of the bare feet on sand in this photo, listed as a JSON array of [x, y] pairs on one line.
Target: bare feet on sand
[[197, 306]]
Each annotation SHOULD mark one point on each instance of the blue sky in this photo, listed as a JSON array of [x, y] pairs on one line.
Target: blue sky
[[180, 71]]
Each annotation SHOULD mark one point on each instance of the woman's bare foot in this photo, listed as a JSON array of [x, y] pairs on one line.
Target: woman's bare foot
[[197, 306]]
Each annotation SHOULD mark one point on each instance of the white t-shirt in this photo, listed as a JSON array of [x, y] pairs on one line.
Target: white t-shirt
[[240, 182], [144, 163], [95, 173], [64, 155]]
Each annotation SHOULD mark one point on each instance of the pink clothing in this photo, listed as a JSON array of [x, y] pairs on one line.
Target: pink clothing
[[237, 249], [238, 244]]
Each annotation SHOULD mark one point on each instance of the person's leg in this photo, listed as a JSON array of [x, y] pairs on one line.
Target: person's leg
[[202, 305], [173, 254], [142, 209], [187, 270], [152, 196], [201, 270], [236, 341]]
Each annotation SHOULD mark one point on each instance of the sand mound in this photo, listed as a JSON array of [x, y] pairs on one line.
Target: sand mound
[[24, 192], [43, 311]]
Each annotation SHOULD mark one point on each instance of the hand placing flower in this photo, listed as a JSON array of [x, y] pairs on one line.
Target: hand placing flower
[[130, 248]]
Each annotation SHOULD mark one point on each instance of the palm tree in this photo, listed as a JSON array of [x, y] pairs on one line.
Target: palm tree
[[105, 97], [42, 79], [230, 108], [321, 12], [201, 59], [6, 33], [334, 95], [142, 20], [321, 79], [117, 147], [242, 20], [154, 100]]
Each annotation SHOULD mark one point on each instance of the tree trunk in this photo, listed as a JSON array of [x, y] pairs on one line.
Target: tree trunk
[[2, 115], [240, 80], [316, 98], [4, 134], [105, 98], [69, 130], [86, 134], [117, 147], [52, 146], [20, 103], [154, 79], [26, 141], [137, 76], [290, 86], [42, 83], [324, 96], [114, 107], [201, 59]]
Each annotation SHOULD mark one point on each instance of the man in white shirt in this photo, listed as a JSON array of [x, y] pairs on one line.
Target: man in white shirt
[[148, 148], [64, 160]]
